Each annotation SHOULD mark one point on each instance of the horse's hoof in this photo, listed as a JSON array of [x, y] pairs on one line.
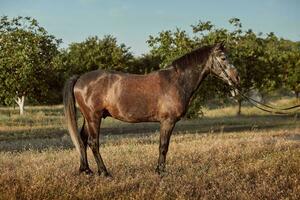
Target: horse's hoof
[[157, 170], [86, 171], [160, 171], [105, 174]]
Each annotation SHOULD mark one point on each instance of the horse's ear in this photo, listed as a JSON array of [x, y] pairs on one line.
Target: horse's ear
[[223, 45], [220, 46]]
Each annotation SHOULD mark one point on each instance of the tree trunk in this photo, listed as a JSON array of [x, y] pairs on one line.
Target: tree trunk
[[239, 110], [20, 102], [297, 96]]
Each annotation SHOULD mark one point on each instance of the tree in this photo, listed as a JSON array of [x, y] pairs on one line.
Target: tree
[[290, 61], [169, 45], [26, 54], [144, 64], [245, 51], [95, 53]]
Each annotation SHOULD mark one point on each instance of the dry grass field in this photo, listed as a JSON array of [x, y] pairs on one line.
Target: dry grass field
[[255, 156]]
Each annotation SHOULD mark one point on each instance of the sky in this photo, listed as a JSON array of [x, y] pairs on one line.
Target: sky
[[132, 21]]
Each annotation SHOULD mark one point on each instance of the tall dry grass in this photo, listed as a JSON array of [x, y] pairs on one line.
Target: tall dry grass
[[245, 165]]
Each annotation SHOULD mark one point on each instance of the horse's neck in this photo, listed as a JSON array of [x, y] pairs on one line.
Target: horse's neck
[[190, 80]]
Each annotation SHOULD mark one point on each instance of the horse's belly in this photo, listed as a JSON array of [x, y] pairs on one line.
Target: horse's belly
[[138, 110]]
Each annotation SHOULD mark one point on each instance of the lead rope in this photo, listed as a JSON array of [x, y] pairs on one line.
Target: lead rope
[[256, 103]]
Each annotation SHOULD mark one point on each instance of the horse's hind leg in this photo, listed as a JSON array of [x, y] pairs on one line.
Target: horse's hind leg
[[93, 127], [84, 166]]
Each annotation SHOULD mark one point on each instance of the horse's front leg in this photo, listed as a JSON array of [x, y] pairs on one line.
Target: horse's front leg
[[166, 128]]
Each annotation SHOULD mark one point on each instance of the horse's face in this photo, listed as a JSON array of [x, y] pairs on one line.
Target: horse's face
[[221, 67]]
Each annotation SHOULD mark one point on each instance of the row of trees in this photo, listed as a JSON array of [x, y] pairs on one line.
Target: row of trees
[[33, 66]]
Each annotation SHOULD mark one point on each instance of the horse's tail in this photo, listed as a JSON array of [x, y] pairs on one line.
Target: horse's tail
[[70, 113]]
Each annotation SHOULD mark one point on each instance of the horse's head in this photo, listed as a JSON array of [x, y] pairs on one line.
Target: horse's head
[[220, 66]]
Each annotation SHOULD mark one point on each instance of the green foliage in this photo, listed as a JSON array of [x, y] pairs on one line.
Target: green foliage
[[169, 45], [26, 57], [95, 53], [144, 64], [290, 64], [202, 27]]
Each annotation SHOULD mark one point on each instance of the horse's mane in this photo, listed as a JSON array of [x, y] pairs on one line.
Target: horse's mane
[[192, 58]]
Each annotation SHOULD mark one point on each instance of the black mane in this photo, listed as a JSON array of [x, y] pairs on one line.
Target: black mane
[[193, 58]]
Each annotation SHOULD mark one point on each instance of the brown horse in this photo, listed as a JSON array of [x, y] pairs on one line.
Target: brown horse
[[161, 96]]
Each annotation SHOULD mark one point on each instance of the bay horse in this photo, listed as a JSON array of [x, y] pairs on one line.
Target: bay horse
[[161, 96]]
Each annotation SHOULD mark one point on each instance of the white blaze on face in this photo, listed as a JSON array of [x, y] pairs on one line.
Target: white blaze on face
[[234, 92], [225, 75]]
